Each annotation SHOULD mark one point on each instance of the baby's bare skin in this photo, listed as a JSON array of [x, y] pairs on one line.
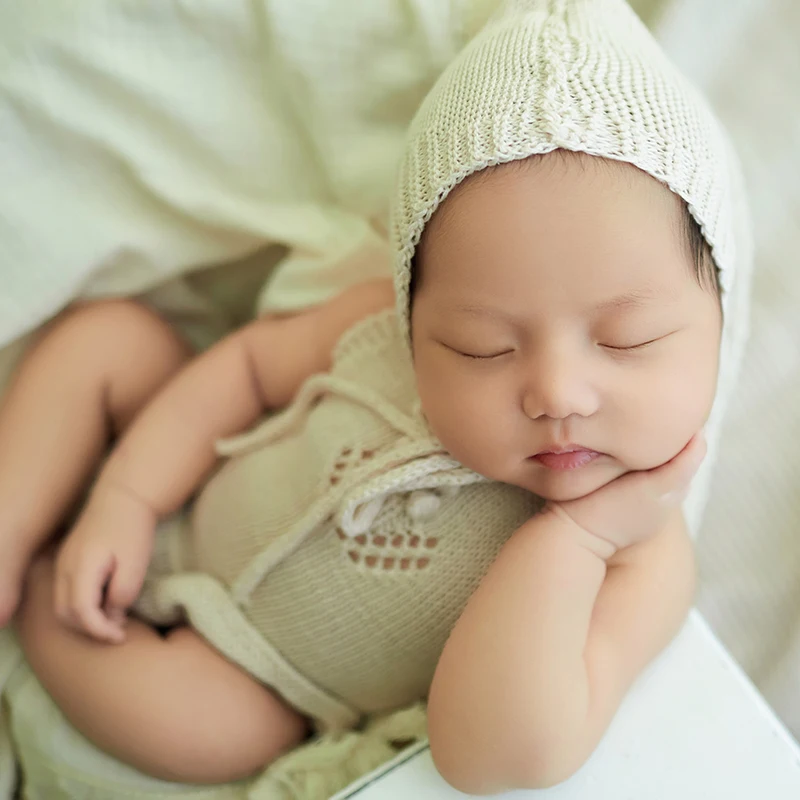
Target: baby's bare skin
[[73, 391], [95, 353]]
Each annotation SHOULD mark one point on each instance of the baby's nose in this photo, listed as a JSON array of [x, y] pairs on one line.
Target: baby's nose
[[558, 388]]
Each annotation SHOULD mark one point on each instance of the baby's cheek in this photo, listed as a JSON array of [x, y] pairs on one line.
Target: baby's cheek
[[678, 408], [457, 418], [442, 404], [462, 417]]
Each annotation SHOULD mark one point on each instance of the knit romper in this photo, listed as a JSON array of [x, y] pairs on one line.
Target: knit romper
[[335, 548]]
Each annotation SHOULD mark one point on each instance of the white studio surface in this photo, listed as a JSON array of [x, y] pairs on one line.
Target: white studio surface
[[693, 727]]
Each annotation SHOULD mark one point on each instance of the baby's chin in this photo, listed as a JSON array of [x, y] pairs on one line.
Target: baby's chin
[[559, 487]]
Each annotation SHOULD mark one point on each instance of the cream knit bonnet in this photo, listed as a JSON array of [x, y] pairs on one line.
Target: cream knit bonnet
[[581, 75]]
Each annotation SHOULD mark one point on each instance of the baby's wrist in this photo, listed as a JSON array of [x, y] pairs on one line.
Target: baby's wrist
[[111, 492], [555, 515]]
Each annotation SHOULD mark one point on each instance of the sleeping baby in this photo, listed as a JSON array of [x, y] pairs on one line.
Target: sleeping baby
[[463, 485]]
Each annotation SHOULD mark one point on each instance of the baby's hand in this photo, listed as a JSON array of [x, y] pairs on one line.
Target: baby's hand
[[101, 565], [636, 505]]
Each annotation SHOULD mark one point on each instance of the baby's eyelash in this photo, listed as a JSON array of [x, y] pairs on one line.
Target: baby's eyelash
[[631, 347], [483, 358]]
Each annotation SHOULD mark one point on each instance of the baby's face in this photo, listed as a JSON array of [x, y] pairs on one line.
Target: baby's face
[[557, 309]]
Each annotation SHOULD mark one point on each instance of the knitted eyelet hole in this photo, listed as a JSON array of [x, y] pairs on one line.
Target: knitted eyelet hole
[[347, 459], [394, 545], [340, 465]]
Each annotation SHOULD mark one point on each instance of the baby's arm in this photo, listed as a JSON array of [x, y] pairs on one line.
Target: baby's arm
[[169, 449], [224, 391], [549, 644]]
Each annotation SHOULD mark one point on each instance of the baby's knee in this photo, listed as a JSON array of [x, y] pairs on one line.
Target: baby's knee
[[119, 322], [97, 316], [99, 336], [120, 347]]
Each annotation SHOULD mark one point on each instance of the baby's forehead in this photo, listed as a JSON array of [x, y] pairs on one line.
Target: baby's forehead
[[454, 210], [563, 206]]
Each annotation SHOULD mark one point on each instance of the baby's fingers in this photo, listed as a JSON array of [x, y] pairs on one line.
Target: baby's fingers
[[124, 587], [671, 481], [78, 598]]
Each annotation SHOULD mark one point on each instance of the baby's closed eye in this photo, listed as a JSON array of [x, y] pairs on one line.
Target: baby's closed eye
[[627, 343]]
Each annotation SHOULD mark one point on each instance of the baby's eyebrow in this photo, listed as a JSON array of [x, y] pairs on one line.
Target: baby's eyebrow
[[644, 297], [637, 298], [489, 312]]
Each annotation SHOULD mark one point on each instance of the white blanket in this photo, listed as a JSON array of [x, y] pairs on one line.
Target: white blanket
[[143, 140]]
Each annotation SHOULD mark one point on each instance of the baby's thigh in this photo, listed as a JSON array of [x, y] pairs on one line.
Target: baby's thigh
[[172, 706], [243, 725]]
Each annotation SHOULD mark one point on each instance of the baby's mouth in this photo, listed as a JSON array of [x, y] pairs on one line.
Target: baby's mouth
[[565, 458]]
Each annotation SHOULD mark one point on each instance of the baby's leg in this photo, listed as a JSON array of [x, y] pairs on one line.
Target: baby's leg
[[173, 707], [81, 383]]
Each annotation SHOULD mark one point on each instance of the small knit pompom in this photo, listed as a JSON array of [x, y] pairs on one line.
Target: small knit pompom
[[423, 505]]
